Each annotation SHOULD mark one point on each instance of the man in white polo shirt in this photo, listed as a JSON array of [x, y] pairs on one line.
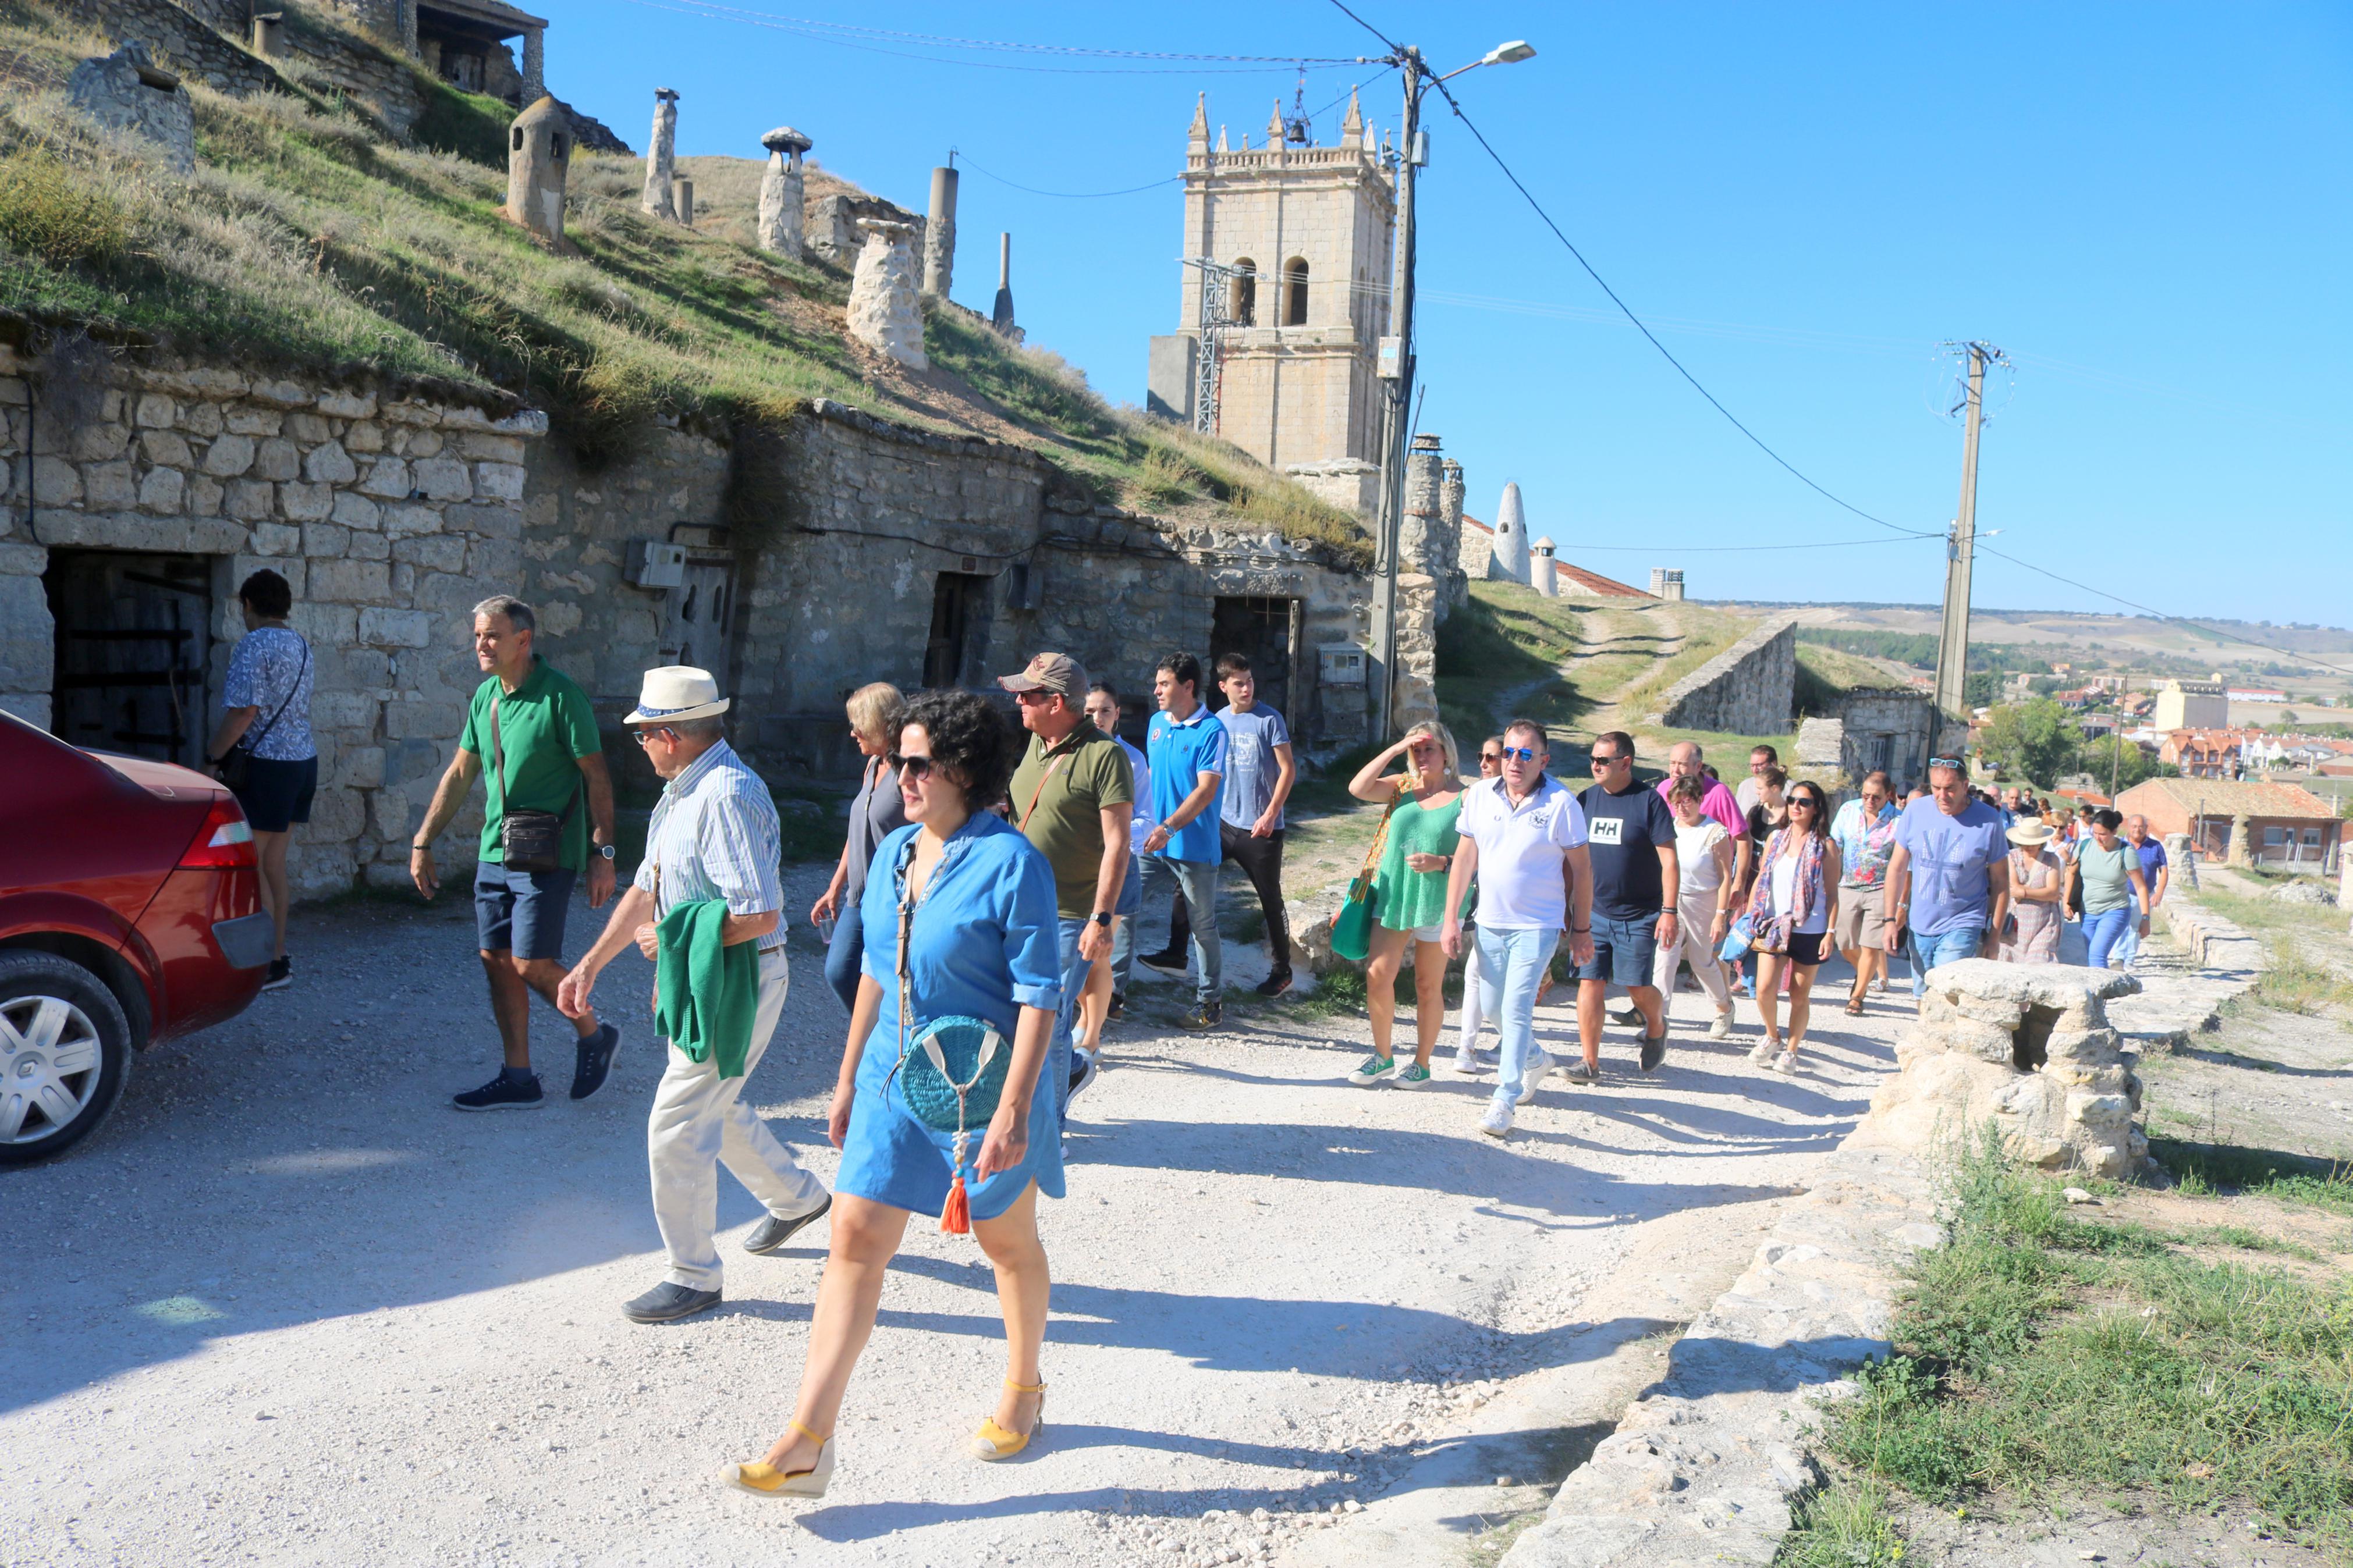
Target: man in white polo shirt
[[1523, 840]]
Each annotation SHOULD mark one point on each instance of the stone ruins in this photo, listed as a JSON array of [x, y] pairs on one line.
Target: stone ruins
[[127, 91], [662, 157], [2027, 1048], [779, 230], [539, 154], [884, 314]]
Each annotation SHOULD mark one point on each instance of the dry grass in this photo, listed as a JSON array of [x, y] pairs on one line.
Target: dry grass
[[1706, 632]]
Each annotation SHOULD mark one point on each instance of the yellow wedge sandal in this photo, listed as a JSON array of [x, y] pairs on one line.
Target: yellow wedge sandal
[[993, 1442], [766, 1480]]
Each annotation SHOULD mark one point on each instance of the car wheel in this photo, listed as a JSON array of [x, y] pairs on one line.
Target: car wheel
[[65, 1054]]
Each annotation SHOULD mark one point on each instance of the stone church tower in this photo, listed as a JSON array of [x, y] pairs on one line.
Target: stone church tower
[[1310, 229]]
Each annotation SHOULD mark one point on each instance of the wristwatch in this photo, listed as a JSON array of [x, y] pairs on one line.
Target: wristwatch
[[1101, 919], [606, 850]]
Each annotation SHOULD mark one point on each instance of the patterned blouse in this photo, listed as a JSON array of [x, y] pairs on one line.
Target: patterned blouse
[[271, 667]]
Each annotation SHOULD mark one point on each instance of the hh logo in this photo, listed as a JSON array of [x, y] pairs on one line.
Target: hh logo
[[1606, 829]]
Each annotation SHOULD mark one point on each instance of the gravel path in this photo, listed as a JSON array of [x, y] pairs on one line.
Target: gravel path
[[287, 1307]]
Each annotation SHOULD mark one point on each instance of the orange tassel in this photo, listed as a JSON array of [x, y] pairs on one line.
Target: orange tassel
[[956, 1215]]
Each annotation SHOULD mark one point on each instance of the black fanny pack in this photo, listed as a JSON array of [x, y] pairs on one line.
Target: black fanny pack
[[529, 840]]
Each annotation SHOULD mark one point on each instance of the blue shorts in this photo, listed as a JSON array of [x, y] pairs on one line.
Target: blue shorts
[[522, 912], [1131, 891], [276, 795], [1623, 951]]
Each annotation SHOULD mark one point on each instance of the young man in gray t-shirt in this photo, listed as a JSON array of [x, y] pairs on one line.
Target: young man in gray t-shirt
[[1260, 772]]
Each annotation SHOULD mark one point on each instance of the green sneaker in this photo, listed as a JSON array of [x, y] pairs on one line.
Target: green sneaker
[[1372, 1069], [1413, 1075]]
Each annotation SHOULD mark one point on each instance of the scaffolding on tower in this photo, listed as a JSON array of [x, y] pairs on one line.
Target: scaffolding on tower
[[1214, 320]]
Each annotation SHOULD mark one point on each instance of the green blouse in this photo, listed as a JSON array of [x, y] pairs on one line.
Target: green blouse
[[1405, 900]]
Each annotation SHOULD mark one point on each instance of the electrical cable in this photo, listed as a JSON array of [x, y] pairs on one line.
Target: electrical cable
[[1743, 548], [1064, 195]]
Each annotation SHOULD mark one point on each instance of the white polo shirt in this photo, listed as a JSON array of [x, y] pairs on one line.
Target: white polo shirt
[[1520, 852]]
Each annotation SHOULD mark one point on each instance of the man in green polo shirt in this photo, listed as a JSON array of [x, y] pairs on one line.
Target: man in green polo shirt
[[1071, 798], [548, 758]]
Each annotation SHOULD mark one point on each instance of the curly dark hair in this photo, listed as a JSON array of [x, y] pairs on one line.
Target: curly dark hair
[[268, 594], [970, 739]]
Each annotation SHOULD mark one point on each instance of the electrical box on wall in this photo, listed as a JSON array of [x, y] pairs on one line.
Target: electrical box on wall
[[1342, 664], [655, 564]]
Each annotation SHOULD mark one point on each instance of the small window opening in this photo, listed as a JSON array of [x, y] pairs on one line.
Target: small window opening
[[517, 147], [1245, 304], [1294, 293]]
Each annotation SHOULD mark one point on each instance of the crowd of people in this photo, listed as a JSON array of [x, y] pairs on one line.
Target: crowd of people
[[980, 928]]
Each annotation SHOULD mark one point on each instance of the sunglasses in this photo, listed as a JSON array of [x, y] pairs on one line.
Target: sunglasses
[[910, 767], [1601, 761], [1955, 763], [646, 737], [1805, 800], [1495, 757], [1026, 698], [1516, 754]]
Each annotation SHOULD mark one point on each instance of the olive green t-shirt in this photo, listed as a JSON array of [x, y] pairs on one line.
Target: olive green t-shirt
[[546, 727], [1088, 775]]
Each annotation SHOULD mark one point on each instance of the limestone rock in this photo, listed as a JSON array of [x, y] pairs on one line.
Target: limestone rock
[[2027, 1046], [126, 90], [883, 312], [661, 156], [780, 229]]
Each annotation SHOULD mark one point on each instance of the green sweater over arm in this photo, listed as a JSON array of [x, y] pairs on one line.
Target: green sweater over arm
[[707, 994]]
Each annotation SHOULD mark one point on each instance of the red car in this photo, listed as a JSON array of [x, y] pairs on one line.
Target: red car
[[130, 913]]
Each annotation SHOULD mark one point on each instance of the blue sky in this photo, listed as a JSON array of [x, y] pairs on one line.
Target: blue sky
[[2149, 206]]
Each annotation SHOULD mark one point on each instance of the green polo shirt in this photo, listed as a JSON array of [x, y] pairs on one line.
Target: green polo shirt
[[546, 727], [1088, 775]]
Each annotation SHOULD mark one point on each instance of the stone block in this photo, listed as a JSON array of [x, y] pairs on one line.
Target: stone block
[[202, 420], [423, 415], [166, 448], [55, 482], [481, 446], [524, 422], [14, 393], [490, 521], [388, 480], [434, 553], [156, 412], [109, 485], [396, 628], [276, 538], [343, 709], [228, 455], [351, 582], [360, 767], [276, 457], [354, 510], [401, 521], [27, 634], [444, 480], [329, 464], [101, 442], [498, 482], [347, 405], [366, 435], [422, 443], [252, 500], [301, 502], [321, 540], [423, 720], [134, 530], [162, 490], [244, 419], [337, 814], [371, 547], [281, 394], [204, 496], [495, 561]]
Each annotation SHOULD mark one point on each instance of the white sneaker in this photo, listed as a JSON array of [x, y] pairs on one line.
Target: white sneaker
[[1722, 1028], [1466, 1062], [1532, 1075], [1497, 1121], [1763, 1052]]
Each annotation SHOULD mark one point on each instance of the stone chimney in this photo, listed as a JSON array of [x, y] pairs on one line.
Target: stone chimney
[[780, 193], [1509, 561], [1419, 531], [883, 312], [539, 156], [939, 234], [661, 154], [1001, 315], [1543, 574], [682, 189]]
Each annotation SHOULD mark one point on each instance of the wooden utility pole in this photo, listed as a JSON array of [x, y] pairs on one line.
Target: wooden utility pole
[[1396, 368], [1960, 549]]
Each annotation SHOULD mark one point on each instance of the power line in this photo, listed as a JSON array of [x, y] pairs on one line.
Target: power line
[[1067, 195], [1742, 549]]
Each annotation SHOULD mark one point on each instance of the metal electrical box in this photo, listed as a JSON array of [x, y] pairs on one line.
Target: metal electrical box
[[1389, 362], [1341, 664], [653, 563]]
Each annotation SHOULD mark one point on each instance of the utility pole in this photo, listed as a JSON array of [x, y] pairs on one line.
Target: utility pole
[[1960, 548], [1396, 369]]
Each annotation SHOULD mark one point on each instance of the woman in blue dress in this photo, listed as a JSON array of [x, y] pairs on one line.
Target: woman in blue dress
[[976, 903]]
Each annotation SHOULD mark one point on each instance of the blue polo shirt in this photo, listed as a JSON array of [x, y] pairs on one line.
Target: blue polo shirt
[[1179, 753]]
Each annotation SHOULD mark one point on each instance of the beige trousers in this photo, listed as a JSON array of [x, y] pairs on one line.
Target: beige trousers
[[1694, 920]]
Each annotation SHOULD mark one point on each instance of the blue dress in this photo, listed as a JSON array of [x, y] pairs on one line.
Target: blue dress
[[985, 945]]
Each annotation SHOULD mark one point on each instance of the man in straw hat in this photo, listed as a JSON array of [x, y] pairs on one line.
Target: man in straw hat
[[713, 837]]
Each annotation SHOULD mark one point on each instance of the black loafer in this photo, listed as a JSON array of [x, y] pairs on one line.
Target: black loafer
[[1655, 1051], [666, 1304], [773, 1233], [596, 1060]]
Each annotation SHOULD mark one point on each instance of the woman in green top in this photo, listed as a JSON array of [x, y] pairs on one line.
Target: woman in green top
[[1409, 894], [2114, 895]]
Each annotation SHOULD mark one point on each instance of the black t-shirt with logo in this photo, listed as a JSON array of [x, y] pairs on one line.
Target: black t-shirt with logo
[[1624, 832]]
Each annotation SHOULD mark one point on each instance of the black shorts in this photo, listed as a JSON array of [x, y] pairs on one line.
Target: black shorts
[[522, 912], [1805, 947], [276, 795]]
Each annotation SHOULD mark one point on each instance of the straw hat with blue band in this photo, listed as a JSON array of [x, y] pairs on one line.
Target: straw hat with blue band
[[677, 692]]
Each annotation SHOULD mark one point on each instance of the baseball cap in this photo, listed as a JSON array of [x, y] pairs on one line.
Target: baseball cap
[[1050, 672]]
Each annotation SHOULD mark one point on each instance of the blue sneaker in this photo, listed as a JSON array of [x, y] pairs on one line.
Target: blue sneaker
[[502, 1093], [595, 1061]]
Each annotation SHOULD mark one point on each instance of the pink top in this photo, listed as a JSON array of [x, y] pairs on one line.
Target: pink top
[[1719, 805]]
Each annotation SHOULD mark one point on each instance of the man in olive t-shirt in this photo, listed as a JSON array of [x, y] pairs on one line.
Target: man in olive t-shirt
[[1071, 798], [548, 758]]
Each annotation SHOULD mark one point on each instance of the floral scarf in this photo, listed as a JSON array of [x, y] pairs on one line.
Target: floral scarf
[[1809, 851]]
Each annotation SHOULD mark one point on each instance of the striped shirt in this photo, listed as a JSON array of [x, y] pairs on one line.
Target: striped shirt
[[714, 835]]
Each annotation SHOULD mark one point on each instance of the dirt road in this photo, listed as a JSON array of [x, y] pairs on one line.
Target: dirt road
[[287, 1307]]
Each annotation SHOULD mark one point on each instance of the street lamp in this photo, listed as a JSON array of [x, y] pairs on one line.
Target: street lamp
[[1396, 365]]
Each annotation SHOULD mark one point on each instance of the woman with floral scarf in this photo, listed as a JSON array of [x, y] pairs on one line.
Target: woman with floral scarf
[[1791, 912]]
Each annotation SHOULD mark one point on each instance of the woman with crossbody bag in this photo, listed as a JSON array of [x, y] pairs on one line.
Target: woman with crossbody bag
[[938, 1109], [262, 748], [1407, 896]]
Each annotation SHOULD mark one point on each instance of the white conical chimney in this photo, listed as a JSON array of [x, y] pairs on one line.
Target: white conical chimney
[[1511, 555]]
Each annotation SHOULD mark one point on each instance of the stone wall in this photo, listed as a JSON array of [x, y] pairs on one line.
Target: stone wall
[[1749, 689], [1887, 729], [831, 224], [184, 38], [390, 515], [207, 38]]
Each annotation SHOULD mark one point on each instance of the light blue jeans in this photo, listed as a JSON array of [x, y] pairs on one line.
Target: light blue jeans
[[2103, 930], [2128, 946], [1510, 963], [1074, 980], [1196, 882], [1928, 951]]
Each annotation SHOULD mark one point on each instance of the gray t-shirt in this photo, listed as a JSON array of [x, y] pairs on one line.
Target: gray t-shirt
[[874, 815], [1251, 767], [271, 667]]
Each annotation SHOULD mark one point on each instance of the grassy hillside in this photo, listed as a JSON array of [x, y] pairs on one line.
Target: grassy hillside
[[309, 238]]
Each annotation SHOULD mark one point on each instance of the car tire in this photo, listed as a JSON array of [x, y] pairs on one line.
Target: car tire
[[54, 1016]]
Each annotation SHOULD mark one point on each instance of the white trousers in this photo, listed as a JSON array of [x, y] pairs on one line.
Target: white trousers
[[700, 1120], [1694, 918]]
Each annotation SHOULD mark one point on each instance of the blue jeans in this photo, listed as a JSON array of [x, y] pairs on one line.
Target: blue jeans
[[1928, 951], [2102, 932], [1122, 940], [1515, 960], [2128, 946], [842, 955], [1197, 883], [1075, 977]]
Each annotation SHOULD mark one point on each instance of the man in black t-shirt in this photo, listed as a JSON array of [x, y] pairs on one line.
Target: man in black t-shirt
[[1635, 880]]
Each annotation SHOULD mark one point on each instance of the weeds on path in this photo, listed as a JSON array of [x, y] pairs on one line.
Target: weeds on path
[[2039, 1350]]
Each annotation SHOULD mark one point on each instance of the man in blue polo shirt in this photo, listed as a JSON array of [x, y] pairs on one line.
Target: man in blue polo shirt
[[1186, 749]]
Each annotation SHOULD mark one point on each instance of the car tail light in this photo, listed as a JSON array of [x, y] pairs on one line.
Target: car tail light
[[224, 839]]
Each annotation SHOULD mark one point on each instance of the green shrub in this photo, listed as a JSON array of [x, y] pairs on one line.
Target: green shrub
[[55, 215]]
